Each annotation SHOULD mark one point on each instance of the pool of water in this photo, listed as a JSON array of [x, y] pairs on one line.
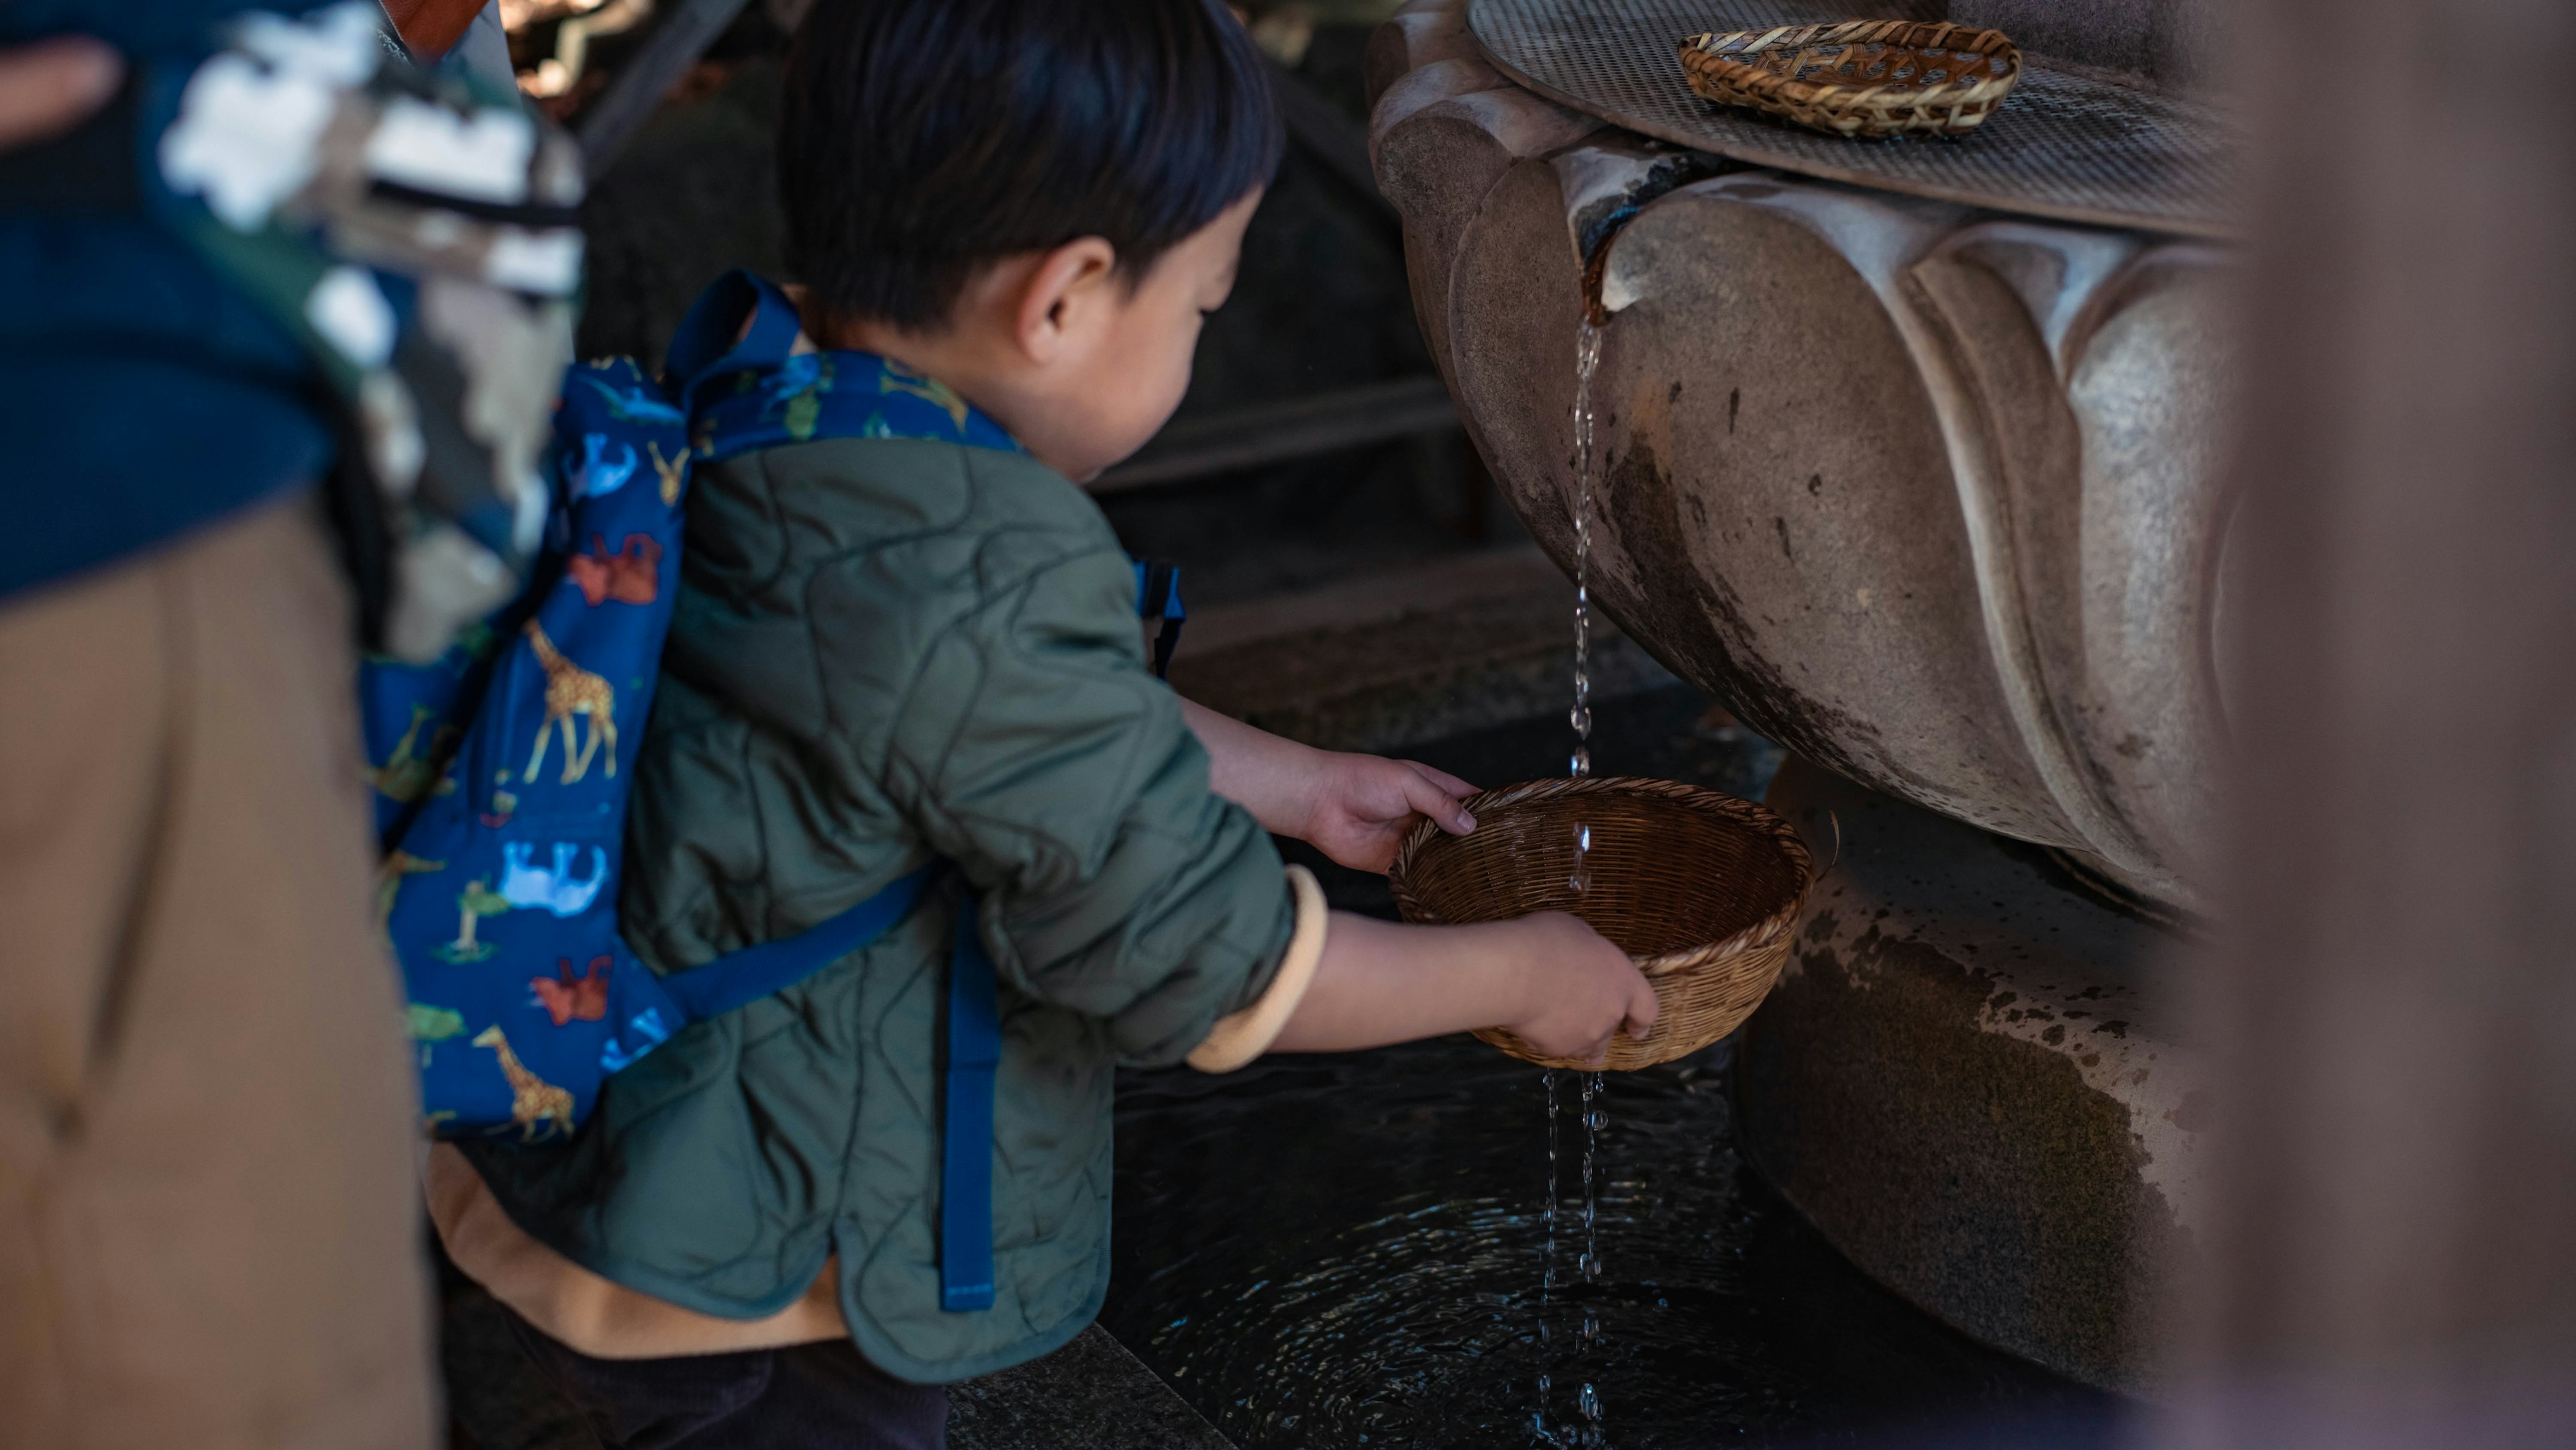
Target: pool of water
[[1346, 1250]]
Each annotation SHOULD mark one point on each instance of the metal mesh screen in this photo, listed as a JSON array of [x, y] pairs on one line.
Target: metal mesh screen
[[2063, 145]]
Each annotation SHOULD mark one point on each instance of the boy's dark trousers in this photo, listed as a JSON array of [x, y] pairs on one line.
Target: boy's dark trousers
[[805, 1397]]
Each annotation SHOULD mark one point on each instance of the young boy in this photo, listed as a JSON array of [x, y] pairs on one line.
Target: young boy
[[892, 651]]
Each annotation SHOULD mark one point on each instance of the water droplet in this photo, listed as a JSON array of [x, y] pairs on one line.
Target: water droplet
[[1581, 761], [1581, 718]]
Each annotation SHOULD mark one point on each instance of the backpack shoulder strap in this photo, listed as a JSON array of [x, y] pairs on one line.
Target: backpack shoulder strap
[[966, 1127], [740, 978], [741, 322]]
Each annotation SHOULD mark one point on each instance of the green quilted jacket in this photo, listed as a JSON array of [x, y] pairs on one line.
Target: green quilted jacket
[[888, 651]]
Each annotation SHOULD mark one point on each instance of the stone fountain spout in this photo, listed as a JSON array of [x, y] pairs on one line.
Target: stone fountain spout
[[1931, 494]]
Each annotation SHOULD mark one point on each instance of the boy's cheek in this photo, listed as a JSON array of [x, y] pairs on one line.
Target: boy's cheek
[[1152, 382]]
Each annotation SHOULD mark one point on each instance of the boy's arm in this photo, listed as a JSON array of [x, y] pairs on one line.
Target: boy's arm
[[1555, 982], [1354, 808], [1033, 750]]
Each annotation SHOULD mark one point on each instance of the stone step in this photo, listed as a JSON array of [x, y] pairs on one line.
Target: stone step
[[1397, 656], [1090, 1395]]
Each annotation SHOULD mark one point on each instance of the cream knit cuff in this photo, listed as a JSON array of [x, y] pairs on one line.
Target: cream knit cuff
[[1240, 1037]]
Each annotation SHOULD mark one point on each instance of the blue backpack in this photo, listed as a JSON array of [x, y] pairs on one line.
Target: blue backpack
[[501, 771]]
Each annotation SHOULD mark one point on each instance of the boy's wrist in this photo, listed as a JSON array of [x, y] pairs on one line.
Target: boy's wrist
[[1316, 775], [1517, 948]]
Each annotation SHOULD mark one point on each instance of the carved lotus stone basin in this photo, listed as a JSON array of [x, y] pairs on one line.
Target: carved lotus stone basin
[[1930, 494]]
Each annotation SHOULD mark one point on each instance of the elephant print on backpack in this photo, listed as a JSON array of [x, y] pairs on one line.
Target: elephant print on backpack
[[553, 889]]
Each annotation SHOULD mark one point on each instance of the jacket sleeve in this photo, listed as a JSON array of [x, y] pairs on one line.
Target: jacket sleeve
[[1036, 752]]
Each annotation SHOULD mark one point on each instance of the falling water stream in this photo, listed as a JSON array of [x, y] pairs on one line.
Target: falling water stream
[[1587, 359], [1586, 1432]]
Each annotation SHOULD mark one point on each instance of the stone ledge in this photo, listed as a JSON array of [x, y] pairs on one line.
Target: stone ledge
[[1396, 657], [1090, 1395], [1970, 1080]]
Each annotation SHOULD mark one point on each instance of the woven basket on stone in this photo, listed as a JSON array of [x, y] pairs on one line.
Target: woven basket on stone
[[1859, 77], [1700, 888]]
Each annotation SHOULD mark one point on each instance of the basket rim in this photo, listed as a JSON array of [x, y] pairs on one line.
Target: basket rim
[[1749, 813], [1717, 57]]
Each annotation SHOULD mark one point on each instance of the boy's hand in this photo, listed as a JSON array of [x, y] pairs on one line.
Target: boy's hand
[[1556, 983], [1354, 808], [1365, 805], [1582, 989]]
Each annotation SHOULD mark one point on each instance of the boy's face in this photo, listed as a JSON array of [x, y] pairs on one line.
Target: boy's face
[[1143, 359], [1116, 360], [1078, 365]]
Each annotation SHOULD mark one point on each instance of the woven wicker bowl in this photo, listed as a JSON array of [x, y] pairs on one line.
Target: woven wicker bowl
[[1700, 888], [1859, 77]]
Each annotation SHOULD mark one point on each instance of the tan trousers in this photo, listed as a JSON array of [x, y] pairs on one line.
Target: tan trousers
[[209, 1230]]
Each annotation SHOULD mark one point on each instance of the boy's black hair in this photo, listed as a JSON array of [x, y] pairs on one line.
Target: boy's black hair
[[921, 139]]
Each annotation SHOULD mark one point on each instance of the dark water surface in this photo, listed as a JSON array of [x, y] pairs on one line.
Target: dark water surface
[[1346, 1250], [1322, 1252]]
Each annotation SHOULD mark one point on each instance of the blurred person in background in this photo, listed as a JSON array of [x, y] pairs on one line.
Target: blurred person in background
[[209, 1230]]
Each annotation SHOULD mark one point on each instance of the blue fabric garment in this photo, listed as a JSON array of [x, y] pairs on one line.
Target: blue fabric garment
[[137, 27], [483, 52], [142, 396]]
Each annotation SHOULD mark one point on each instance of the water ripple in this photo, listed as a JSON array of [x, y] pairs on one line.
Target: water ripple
[[1327, 1252]]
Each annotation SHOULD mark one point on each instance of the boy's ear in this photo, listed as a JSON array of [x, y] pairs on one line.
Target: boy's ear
[[1065, 298]]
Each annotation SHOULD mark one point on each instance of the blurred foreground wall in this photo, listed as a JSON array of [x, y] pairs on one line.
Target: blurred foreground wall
[[2399, 1003]]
